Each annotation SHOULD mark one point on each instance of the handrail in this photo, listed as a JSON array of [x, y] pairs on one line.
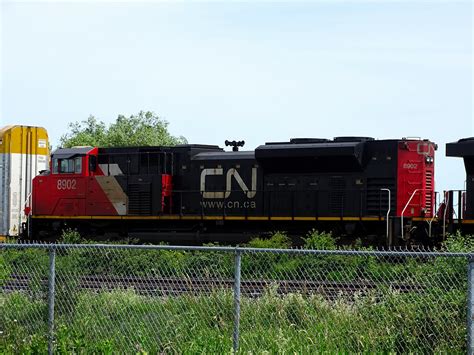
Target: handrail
[[434, 211], [446, 205], [431, 221], [409, 200], [27, 200], [389, 207]]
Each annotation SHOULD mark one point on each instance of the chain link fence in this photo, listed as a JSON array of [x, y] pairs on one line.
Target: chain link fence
[[164, 299]]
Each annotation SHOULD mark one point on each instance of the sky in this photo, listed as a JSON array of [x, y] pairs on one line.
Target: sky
[[255, 71]]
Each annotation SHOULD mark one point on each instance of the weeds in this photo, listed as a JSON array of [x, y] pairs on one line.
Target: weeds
[[118, 321], [379, 320]]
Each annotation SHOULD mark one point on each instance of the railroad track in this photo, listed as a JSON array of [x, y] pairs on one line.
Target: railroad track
[[173, 286]]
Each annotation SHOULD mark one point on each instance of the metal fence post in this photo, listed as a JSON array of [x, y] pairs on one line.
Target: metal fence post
[[51, 290], [236, 334], [470, 306]]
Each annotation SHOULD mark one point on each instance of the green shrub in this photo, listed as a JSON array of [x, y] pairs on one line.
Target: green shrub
[[319, 240], [266, 264], [459, 243], [70, 236], [278, 240]]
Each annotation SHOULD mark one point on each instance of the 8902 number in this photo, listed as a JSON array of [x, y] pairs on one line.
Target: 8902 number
[[66, 184]]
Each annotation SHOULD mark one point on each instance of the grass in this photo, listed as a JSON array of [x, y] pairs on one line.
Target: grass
[[122, 321]]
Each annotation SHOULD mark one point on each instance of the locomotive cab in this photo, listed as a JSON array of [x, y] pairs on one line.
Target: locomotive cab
[[78, 162], [62, 192]]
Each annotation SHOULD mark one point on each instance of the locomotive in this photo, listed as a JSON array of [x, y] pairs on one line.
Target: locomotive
[[382, 189], [464, 148]]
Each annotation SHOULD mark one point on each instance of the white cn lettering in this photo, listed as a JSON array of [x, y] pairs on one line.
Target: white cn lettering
[[214, 194], [230, 173], [233, 172]]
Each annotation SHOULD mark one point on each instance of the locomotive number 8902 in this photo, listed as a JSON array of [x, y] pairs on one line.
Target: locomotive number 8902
[[66, 184]]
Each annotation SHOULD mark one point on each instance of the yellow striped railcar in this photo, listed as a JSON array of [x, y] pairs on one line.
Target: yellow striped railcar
[[24, 152]]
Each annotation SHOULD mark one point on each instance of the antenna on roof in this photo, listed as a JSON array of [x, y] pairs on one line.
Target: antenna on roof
[[234, 144]]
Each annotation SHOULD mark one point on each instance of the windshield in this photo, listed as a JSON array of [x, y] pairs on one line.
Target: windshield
[[67, 166]]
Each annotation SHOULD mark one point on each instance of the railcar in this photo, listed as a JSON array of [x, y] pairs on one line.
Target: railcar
[[352, 186], [463, 217], [24, 151]]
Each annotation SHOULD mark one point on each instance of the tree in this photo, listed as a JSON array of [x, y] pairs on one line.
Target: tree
[[143, 129]]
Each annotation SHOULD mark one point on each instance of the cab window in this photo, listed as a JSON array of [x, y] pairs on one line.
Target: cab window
[[78, 165], [55, 166], [67, 166]]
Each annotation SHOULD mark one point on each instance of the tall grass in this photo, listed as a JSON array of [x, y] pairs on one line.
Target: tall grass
[[122, 321]]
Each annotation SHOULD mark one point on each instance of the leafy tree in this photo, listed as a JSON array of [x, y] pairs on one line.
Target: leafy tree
[[142, 129]]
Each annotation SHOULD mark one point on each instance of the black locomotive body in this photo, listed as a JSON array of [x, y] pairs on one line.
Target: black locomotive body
[[353, 186], [329, 179]]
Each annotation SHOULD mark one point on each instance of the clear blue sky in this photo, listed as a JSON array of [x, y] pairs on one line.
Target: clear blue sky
[[254, 71]]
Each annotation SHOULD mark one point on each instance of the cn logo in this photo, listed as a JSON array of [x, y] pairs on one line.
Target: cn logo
[[231, 173]]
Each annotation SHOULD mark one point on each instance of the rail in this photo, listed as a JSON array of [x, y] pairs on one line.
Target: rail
[[176, 286]]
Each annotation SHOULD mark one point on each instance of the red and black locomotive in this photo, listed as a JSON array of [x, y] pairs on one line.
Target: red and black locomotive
[[354, 186]]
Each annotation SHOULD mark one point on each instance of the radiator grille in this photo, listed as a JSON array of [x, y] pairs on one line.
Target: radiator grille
[[377, 200], [139, 199], [337, 186], [429, 193]]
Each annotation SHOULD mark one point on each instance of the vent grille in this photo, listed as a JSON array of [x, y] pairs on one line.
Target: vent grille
[[429, 193], [337, 186], [377, 200], [139, 199]]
